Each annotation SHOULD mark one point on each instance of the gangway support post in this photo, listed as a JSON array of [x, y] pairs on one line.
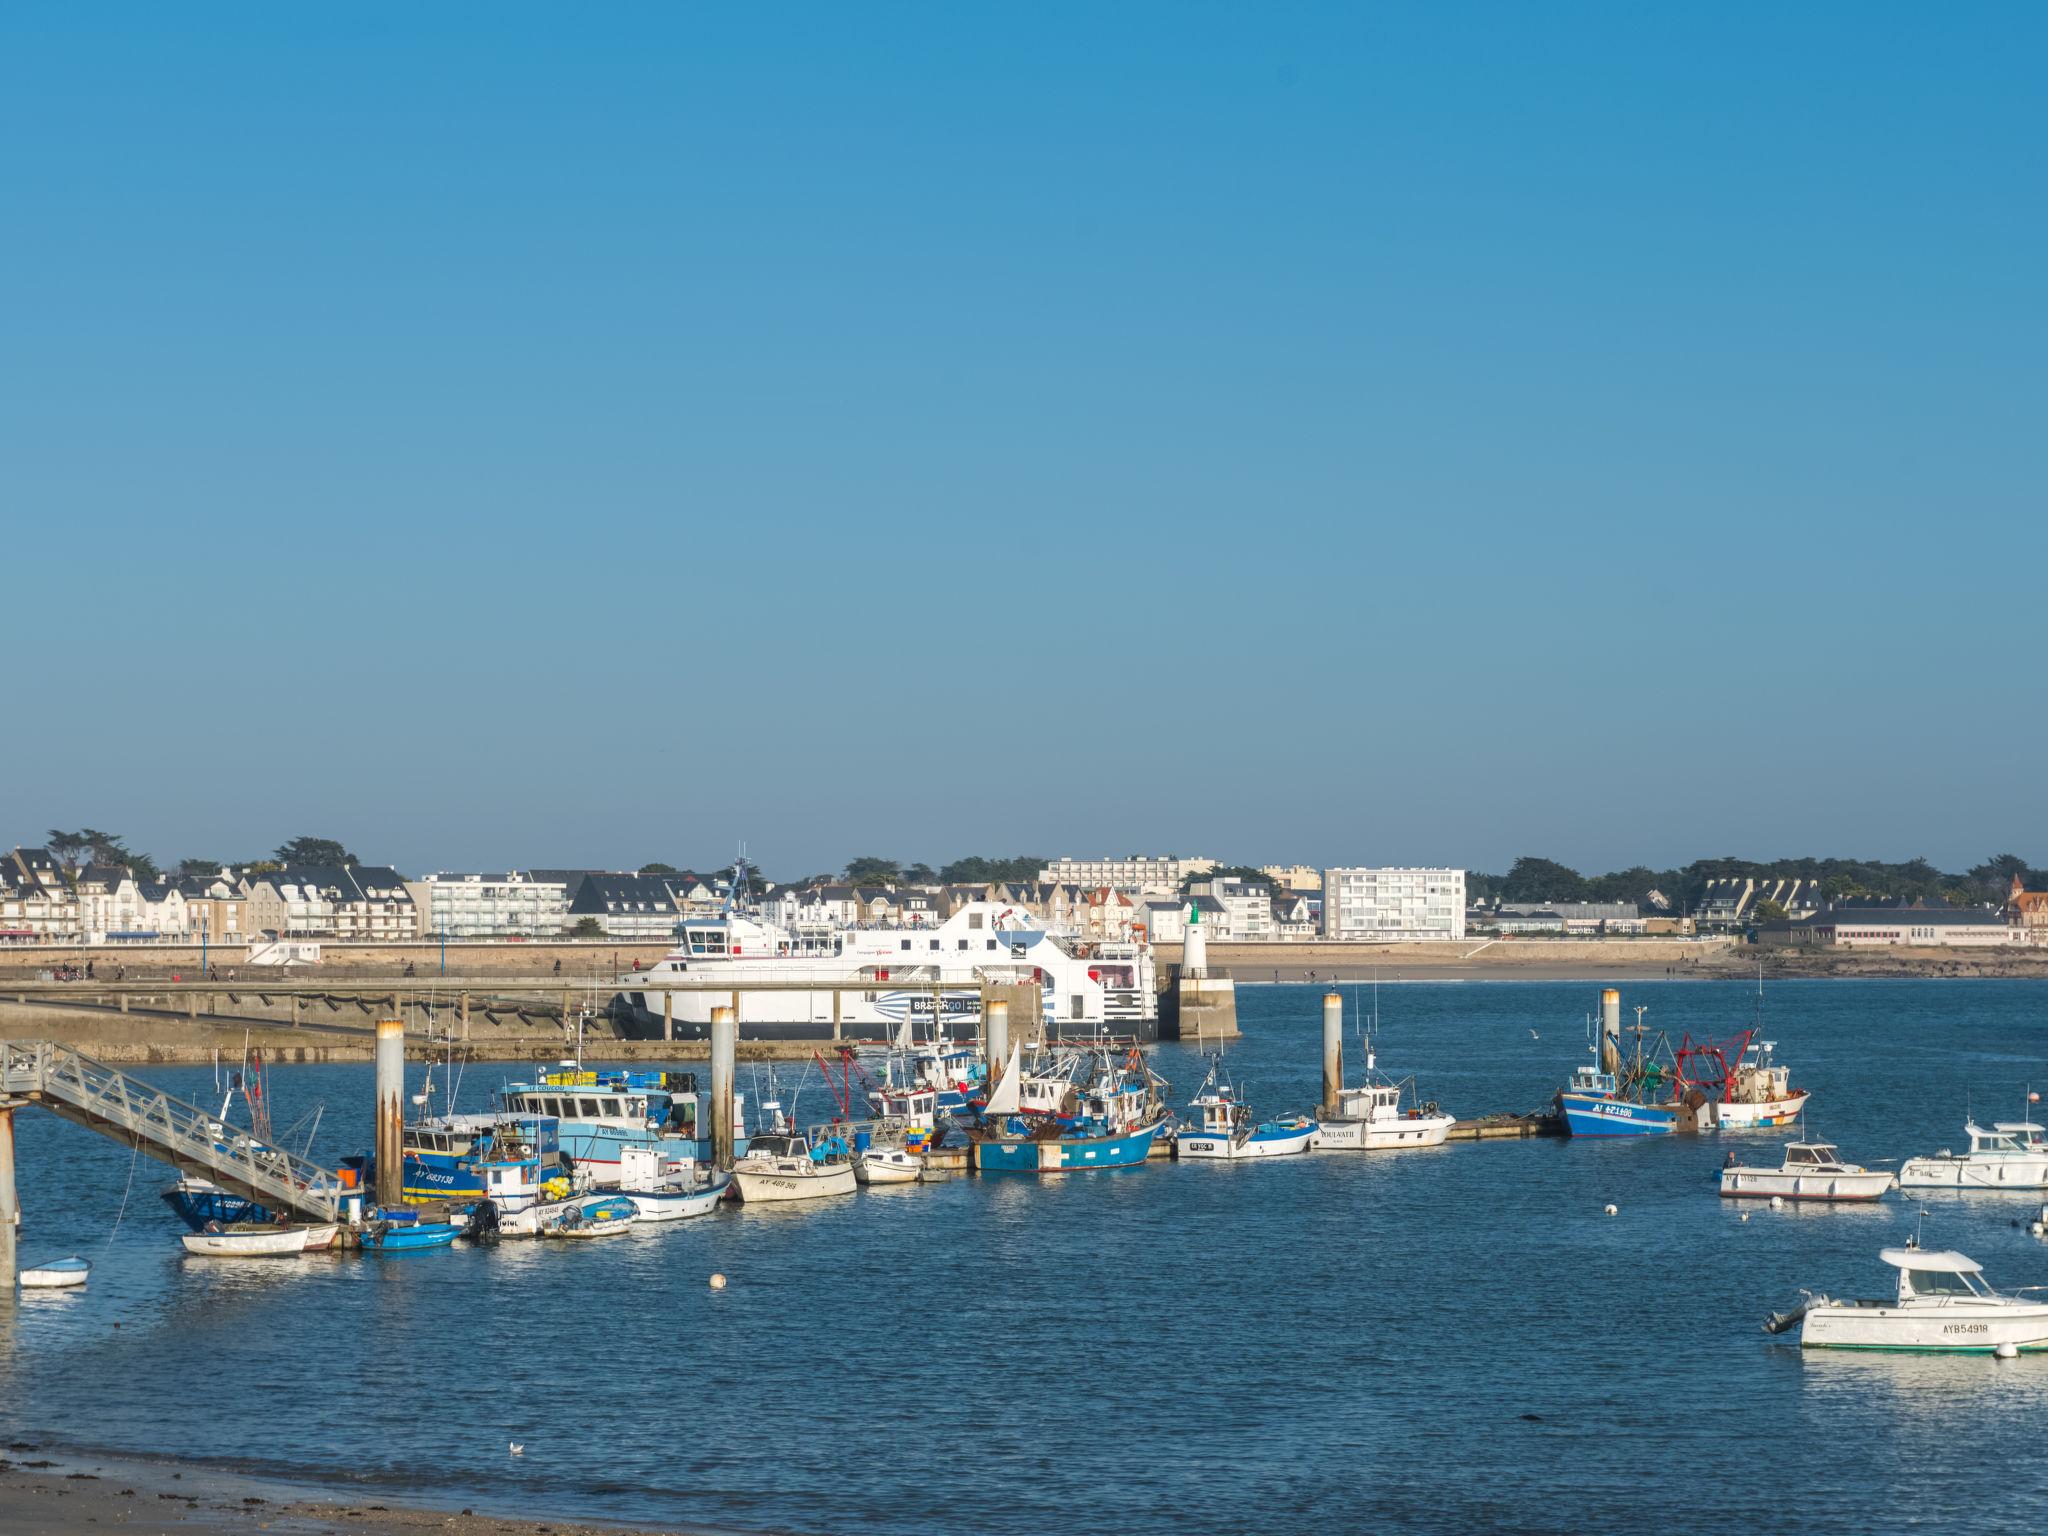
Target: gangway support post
[[725, 1040], [390, 1112]]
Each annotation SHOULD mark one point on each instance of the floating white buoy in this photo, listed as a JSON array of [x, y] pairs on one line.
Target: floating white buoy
[[718, 1282], [1777, 1202], [1614, 1210], [2007, 1352]]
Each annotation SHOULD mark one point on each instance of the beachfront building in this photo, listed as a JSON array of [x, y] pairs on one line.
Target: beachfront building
[[1151, 875], [1731, 901], [1297, 915], [1394, 904], [2026, 912], [1293, 877], [1895, 927], [490, 905], [1166, 921], [361, 902], [213, 908], [1247, 910], [637, 907], [37, 904]]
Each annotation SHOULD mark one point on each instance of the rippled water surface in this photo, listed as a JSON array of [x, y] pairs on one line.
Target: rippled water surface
[[1435, 1341]]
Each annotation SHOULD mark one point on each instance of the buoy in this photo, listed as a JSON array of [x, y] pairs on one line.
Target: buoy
[[718, 1282], [2007, 1352], [1777, 1202], [1614, 1210]]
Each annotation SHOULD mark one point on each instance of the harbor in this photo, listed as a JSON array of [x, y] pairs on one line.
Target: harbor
[[1009, 1243]]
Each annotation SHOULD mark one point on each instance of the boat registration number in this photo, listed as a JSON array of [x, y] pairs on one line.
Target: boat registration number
[[1964, 1328]]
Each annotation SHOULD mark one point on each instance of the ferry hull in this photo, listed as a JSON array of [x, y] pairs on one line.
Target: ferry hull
[[1065, 1154], [1588, 1114], [808, 1016]]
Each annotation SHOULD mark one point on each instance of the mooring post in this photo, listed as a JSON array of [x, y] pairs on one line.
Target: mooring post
[[998, 1032], [725, 1040], [390, 1144], [1333, 1051], [836, 995], [124, 1002], [463, 1015], [668, 1015], [10, 1206], [192, 1006], [1610, 1030]]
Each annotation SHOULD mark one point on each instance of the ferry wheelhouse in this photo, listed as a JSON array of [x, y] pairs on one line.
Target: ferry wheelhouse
[[928, 975]]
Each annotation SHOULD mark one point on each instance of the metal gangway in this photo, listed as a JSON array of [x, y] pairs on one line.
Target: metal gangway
[[103, 1099]]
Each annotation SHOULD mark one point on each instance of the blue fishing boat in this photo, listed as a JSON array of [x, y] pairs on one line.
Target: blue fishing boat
[[601, 1113], [398, 1229], [1610, 1096], [199, 1201], [1117, 1114]]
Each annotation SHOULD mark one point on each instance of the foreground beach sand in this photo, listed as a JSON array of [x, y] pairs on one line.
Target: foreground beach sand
[[58, 1494]]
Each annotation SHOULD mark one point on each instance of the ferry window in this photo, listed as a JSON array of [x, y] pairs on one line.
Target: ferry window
[[991, 943], [963, 943], [905, 944], [974, 920], [934, 944], [591, 1109], [1078, 1004]]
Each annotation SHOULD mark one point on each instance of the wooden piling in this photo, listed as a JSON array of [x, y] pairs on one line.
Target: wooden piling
[[668, 1015], [1333, 1051], [390, 1142], [725, 1039]]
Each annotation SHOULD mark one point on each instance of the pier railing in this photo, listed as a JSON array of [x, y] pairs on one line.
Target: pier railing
[[103, 1099]]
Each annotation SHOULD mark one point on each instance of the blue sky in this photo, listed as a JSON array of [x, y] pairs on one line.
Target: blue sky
[[1423, 432]]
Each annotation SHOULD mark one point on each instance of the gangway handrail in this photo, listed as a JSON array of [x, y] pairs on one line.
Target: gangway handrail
[[108, 1101]]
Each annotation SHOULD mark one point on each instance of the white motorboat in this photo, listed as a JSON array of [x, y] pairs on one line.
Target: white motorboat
[[1372, 1117], [56, 1275], [2011, 1155], [1811, 1170], [666, 1188], [1223, 1127], [886, 1165], [1943, 1305], [783, 1165], [248, 1240], [595, 1216]]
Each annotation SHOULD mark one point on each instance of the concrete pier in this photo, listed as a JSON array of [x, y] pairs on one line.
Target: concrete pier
[[725, 1039], [1194, 1004], [1333, 1051], [390, 1142]]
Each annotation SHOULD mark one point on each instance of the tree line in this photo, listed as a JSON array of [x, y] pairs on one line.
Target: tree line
[[1840, 880]]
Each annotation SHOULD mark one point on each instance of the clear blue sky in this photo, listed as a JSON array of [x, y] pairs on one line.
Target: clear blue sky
[[1432, 432]]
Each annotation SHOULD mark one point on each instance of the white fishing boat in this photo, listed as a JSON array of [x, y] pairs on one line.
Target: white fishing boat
[[1943, 1306], [1811, 1170], [2010, 1155], [1382, 1114], [671, 1190], [784, 1165], [1759, 1092], [248, 1240], [875, 1164], [56, 1275], [1222, 1127]]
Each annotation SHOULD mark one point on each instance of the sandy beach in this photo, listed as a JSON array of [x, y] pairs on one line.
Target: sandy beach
[[53, 1493]]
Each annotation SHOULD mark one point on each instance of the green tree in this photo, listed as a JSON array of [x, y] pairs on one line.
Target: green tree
[[659, 868], [919, 874], [202, 869], [873, 871], [313, 850], [587, 928], [1768, 911], [1534, 879], [978, 870], [65, 847]]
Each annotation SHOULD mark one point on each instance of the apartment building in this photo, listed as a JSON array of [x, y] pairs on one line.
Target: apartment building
[[506, 904], [1394, 904], [1161, 875]]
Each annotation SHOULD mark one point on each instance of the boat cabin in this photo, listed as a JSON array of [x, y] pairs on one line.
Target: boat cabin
[[1811, 1156], [2008, 1138], [1590, 1079], [1218, 1113], [667, 1099], [1937, 1275], [1370, 1101]]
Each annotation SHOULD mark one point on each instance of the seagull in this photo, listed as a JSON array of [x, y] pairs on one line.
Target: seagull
[[1534, 1036], [517, 1448]]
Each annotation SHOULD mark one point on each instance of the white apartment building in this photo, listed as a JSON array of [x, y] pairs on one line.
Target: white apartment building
[[1247, 911], [1136, 873], [1411, 904], [491, 906]]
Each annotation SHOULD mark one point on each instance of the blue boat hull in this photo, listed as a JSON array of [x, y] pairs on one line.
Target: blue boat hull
[[1066, 1154], [1587, 1114], [404, 1239], [196, 1207], [442, 1176]]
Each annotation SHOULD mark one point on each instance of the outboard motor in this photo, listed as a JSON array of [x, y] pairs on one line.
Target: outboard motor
[[483, 1222], [1785, 1322]]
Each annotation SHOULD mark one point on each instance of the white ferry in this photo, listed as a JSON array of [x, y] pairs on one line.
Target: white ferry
[[1088, 986]]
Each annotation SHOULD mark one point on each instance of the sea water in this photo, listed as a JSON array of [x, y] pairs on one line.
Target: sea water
[[1446, 1340]]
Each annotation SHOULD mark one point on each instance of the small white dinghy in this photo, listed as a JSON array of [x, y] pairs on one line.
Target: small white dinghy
[[247, 1240], [57, 1275], [886, 1165]]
